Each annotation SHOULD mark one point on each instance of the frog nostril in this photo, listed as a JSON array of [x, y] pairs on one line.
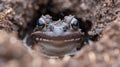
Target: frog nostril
[[65, 28]]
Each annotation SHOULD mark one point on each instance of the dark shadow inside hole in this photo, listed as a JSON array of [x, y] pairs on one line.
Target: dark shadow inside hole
[[95, 37], [85, 26]]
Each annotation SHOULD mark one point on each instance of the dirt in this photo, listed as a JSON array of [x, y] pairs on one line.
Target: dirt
[[99, 20]]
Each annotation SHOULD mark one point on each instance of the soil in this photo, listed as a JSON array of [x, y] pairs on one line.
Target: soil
[[99, 20]]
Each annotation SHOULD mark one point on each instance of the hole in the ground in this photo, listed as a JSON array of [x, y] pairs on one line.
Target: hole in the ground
[[85, 25]]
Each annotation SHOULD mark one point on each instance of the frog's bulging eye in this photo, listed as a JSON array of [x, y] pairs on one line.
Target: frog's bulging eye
[[74, 24], [41, 24]]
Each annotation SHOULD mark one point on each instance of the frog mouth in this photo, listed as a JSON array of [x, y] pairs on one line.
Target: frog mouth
[[73, 37]]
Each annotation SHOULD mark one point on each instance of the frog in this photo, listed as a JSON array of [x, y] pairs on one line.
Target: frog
[[57, 37]]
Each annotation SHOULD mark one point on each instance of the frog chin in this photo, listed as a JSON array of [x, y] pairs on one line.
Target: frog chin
[[58, 47]]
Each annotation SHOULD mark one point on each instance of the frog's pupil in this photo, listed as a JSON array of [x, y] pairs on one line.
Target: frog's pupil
[[75, 23], [40, 23]]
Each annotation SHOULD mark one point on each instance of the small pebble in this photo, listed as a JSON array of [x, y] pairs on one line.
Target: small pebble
[[66, 58], [92, 56], [106, 58], [52, 61]]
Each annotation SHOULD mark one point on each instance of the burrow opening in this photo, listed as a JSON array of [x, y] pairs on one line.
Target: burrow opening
[[85, 25]]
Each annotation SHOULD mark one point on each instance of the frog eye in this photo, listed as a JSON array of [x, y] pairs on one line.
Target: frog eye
[[41, 24], [74, 24]]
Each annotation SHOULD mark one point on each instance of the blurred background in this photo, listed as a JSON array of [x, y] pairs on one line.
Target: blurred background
[[19, 17]]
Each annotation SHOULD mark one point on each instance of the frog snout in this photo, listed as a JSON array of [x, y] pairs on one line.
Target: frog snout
[[58, 30]]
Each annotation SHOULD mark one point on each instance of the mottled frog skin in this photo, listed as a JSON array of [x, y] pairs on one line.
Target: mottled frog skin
[[56, 38]]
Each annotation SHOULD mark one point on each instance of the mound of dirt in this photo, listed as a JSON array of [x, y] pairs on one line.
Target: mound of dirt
[[99, 20]]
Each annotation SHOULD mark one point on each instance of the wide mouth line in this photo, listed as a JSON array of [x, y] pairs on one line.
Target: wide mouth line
[[58, 42], [47, 40], [70, 37]]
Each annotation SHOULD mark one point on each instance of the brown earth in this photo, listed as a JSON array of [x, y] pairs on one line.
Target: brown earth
[[19, 17]]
